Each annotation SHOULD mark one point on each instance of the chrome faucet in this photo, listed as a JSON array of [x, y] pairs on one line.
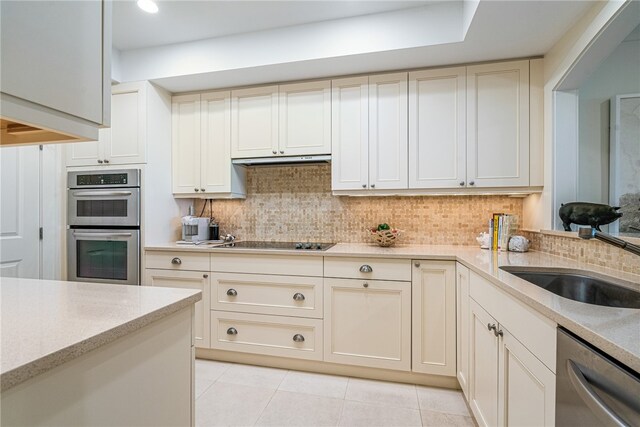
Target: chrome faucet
[[590, 233]]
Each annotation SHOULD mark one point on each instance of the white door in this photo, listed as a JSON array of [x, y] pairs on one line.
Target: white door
[[185, 144], [215, 142], [350, 133], [462, 327], [254, 122], [305, 118], [437, 128], [127, 142], [19, 212], [388, 144], [88, 153], [433, 290], [498, 124]]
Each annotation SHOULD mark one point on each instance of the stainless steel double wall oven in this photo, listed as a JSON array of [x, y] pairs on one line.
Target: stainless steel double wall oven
[[103, 218]]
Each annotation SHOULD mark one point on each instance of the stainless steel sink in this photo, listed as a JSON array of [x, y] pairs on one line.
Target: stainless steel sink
[[580, 286]]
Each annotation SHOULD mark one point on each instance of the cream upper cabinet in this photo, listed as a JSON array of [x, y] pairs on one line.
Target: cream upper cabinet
[[187, 280], [201, 147], [437, 128], [305, 118], [254, 122], [434, 317], [125, 142], [368, 323], [388, 161], [462, 327], [350, 133], [498, 124]]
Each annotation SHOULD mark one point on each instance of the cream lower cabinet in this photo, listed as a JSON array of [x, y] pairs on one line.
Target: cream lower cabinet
[[434, 317], [368, 323], [462, 327], [188, 280]]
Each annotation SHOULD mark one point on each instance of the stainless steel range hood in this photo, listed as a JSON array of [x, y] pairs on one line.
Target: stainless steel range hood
[[289, 160]]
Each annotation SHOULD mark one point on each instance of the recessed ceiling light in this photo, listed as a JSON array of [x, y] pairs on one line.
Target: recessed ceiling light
[[148, 6]]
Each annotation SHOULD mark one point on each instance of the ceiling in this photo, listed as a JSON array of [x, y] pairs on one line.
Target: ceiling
[[186, 20]]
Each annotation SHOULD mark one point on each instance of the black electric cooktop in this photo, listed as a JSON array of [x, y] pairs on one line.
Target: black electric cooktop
[[308, 246]]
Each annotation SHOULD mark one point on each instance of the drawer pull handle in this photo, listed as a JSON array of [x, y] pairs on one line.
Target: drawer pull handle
[[206, 276], [232, 292], [298, 297], [498, 333], [366, 269], [417, 264], [232, 331], [298, 338], [176, 261], [366, 285], [491, 327]]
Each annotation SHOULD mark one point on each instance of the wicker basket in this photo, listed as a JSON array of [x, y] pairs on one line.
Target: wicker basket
[[384, 238]]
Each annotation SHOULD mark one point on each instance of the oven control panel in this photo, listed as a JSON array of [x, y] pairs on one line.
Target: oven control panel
[[129, 178], [102, 179]]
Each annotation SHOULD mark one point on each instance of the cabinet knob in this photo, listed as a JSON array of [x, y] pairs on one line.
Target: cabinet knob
[[274, 152], [373, 186], [106, 161], [202, 189], [232, 292], [366, 268], [364, 185], [472, 183], [298, 296], [417, 263], [196, 189], [232, 331], [298, 338], [491, 327], [365, 285], [461, 183], [281, 151], [497, 333], [176, 261], [206, 276], [100, 161]]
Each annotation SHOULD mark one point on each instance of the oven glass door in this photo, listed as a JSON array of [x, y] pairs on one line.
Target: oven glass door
[[96, 207], [104, 256]]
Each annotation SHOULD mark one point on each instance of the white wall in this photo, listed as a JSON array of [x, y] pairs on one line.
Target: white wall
[[618, 74]]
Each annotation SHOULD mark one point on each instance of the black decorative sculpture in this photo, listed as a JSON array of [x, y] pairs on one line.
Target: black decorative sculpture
[[593, 214]]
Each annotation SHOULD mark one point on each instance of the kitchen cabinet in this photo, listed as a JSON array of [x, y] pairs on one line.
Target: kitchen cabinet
[[201, 147], [125, 142], [462, 327], [437, 128], [498, 124], [286, 120], [368, 323], [187, 280], [56, 78], [511, 378], [369, 131], [434, 317]]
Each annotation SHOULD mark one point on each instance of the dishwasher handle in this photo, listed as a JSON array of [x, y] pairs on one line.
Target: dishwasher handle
[[599, 408]]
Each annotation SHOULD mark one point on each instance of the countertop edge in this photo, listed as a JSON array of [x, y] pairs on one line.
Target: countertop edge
[[16, 376]]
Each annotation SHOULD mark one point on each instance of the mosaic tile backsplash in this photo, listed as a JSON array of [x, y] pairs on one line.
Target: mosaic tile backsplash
[[294, 203]]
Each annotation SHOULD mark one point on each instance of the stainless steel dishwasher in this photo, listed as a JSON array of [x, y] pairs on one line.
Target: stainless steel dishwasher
[[592, 389]]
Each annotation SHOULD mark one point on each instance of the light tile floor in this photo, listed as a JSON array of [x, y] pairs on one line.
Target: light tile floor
[[229, 394]]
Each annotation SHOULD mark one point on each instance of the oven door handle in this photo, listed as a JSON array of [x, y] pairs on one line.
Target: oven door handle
[[101, 193], [85, 234], [599, 408]]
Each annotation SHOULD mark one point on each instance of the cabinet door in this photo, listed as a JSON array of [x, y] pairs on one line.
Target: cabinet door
[[88, 153], [350, 133], [527, 388], [368, 323], [462, 327], [254, 122], [305, 118], [215, 158], [434, 317], [388, 144], [128, 140], [483, 360], [185, 144], [437, 128], [187, 280], [498, 124]]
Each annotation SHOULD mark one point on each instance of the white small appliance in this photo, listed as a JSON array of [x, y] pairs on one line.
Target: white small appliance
[[194, 229]]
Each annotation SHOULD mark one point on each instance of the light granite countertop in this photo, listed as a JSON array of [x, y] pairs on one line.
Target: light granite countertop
[[45, 323], [615, 331]]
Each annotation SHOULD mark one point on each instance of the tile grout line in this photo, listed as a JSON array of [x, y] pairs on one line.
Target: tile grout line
[[271, 398]]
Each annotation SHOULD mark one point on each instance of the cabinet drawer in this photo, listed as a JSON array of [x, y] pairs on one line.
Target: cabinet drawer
[[536, 332], [270, 335], [175, 260], [265, 294], [381, 268], [297, 265]]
